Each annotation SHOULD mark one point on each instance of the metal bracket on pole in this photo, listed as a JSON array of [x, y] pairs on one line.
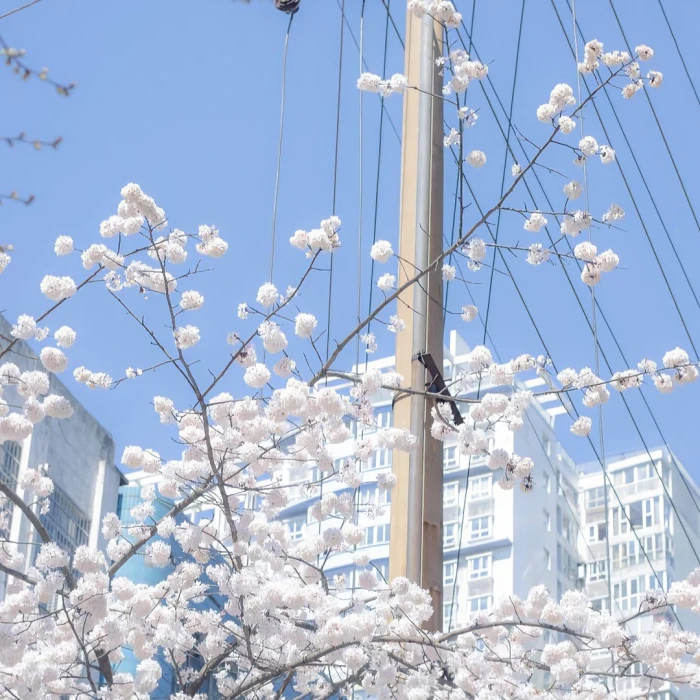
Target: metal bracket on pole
[[437, 384]]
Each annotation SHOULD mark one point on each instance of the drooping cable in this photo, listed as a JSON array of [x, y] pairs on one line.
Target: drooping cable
[[517, 288], [379, 169], [688, 487], [680, 53], [279, 147], [360, 192], [335, 172]]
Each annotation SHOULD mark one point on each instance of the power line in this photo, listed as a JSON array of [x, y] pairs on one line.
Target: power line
[[335, 171], [531, 317], [658, 123], [279, 146], [379, 167], [680, 53], [690, 491], [460, 173]]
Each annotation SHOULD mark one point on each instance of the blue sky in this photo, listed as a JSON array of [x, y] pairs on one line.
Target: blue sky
[[183, 98]]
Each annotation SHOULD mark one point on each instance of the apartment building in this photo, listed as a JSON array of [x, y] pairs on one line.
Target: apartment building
[[640, 531], [77, 453]]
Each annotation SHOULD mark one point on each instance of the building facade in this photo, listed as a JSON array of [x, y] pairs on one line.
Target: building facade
[[488, 544], [76, 453], [640, 533]]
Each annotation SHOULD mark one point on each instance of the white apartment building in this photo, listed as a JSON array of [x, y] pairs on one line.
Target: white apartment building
[[645, 539], [77, 453], [496, 542]]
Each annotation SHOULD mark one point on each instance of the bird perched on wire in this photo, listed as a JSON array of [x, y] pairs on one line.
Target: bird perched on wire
[[288, 6]]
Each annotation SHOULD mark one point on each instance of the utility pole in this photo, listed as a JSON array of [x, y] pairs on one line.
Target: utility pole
[[416, 517]]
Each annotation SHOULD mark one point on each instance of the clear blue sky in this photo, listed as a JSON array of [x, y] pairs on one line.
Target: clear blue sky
[[183, 98]]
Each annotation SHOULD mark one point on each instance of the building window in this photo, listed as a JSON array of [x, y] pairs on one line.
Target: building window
[[560, 590], [382, 569], [595, 497], [450, 458], [628, 594], [479, 528], [380, 458], [546, 520], [479, 567], [559, 522], [623, 476], [67, 525], [651, 511], [296, 529], [600, 604], [547, 558], [621, 524], [376, 534], [447, 613], [625, 554], [597, 532], [449, 535], [383, 417], [372, 495], [449, 573], [547, 482], [559, 557], [450, 494], [479, 487], [478, 605], [597, 570], [10, 453]]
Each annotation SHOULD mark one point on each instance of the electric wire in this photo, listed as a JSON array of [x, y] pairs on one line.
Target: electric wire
[[360, 192], [680, 472], [335, 172], [658, 123], [279, 146], [680, 53], [639, 432], [528, 312], [379, 169], [460, 188], [595, 451]]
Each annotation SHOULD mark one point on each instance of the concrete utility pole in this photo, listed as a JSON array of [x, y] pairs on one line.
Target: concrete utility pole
[[416, 510]]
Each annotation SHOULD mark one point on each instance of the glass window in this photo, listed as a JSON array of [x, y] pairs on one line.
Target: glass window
[[450, 457], [449, 535], [381, 458], [546, 520], [480, 528], [447, 613], [559, 523], [547, 558], [595, 497], [450, 494], [477, 605], [382, 569], [635, 513], [9, 463], [597, 532], [479, 567], [559, 557], [296, 528], [449, 573], [383, 533], [479, 487], [597, 570], [68, 526], [547, 482], [651, 511], [383, 417]]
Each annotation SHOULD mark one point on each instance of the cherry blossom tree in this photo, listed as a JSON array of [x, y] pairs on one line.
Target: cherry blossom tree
[[283, 626]]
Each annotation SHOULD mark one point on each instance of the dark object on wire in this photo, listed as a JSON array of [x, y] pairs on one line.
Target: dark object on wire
[[288, 6], [437, 384]]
